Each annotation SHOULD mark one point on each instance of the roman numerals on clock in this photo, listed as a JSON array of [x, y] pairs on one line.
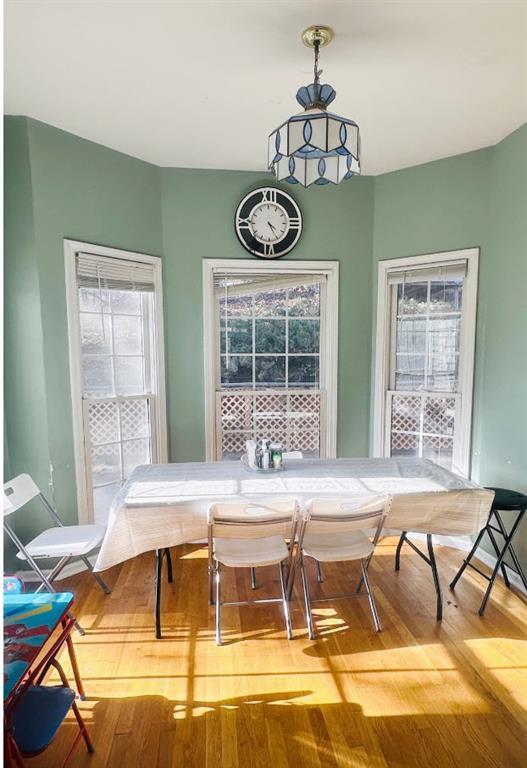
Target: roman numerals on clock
[[268, 222]]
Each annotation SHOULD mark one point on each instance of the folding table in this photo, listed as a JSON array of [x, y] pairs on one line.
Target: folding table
[[164, 505]]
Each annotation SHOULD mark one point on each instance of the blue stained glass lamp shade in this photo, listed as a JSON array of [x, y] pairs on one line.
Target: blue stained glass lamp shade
[[315, 146]]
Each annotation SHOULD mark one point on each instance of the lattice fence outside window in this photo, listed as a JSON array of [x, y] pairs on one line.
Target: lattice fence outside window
[[291, 417], [422, 425], [119, 436]]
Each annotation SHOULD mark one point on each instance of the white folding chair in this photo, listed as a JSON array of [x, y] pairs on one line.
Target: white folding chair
[[251, 535], [61, 541], [336, 530], [289, 456]]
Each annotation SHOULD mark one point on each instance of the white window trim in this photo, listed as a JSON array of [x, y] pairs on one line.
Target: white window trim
[[330, 269], [159, 432], [467, 344]]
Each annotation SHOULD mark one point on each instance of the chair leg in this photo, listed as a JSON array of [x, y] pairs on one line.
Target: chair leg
[[398, 551], [253, 578], [508, 541], [285, 602], [159, 570], [319, 572], [217, 576], [105, 588], [83, 729], [431, 555], [371, 599], [305, 587], [75, 668]]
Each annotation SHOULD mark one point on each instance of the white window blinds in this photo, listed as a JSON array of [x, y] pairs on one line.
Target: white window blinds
[[117, 274], [437, 272], [249, 284]]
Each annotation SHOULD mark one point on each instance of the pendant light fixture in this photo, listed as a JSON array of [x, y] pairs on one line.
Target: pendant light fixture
[[315, 146]]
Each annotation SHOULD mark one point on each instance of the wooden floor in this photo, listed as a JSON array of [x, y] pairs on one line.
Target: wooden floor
[[418, 694]]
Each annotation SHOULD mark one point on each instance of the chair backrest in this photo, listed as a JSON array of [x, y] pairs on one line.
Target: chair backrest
[[292, 455], [18, 492], [253, 520], [346, 514]]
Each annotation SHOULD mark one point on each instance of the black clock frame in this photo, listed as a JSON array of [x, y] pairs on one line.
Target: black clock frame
[[283, 246]]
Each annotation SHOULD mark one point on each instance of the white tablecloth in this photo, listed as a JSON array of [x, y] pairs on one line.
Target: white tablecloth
[[163, 505]]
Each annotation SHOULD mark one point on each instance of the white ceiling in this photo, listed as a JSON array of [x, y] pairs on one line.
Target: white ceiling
[[201, 84]]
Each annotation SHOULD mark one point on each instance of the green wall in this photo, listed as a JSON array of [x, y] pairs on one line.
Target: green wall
[[58, 185], [198, 215], [476, 199]]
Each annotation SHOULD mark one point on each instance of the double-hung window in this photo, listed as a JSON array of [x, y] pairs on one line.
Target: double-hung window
[[116, 358], [425, 353]]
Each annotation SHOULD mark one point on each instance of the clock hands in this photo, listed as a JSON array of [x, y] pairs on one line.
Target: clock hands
[[274, 230]]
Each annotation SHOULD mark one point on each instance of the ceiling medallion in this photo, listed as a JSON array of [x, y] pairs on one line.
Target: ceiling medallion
[[315, 146]]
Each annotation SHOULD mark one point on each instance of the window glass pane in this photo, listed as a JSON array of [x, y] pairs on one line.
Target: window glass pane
[[269, 336], [304, 335], [135, 453], [96, 333], [94, 300], [237, 306], [127, 335], [128, 302], [270, 371], [404, 444], [304, 301], [438, 449], [129, 375], [443, 334], [97, 375], [103, 422], [236, 369], [239, 336], [270, 303], [135, 419], [409, 371], [412, 298], [446, 296], [303, 370], [411, 335], [106, 464]]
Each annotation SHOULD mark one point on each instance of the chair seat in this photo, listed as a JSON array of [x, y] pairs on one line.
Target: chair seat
[[332, 547], [63, 541], [39, 715], [250, 553], [508, 501]]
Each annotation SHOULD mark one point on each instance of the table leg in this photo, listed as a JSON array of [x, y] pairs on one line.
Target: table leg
[[159, 573], [437, 584]]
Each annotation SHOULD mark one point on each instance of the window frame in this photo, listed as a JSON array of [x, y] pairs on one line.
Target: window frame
[[328, 362], [467, 342], [158, 390]]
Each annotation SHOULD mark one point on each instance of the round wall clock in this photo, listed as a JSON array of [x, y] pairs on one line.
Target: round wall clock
[[268, 222]]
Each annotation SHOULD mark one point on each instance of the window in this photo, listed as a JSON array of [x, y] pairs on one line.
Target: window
[[116, 362], [424, 366], [273, 348], [269, 335]]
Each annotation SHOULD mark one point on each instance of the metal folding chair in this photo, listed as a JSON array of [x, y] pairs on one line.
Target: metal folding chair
[[335, 530], [62, 542], [250, 535]]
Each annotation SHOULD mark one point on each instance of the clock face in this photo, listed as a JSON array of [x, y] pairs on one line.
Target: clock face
[[268, 222]]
